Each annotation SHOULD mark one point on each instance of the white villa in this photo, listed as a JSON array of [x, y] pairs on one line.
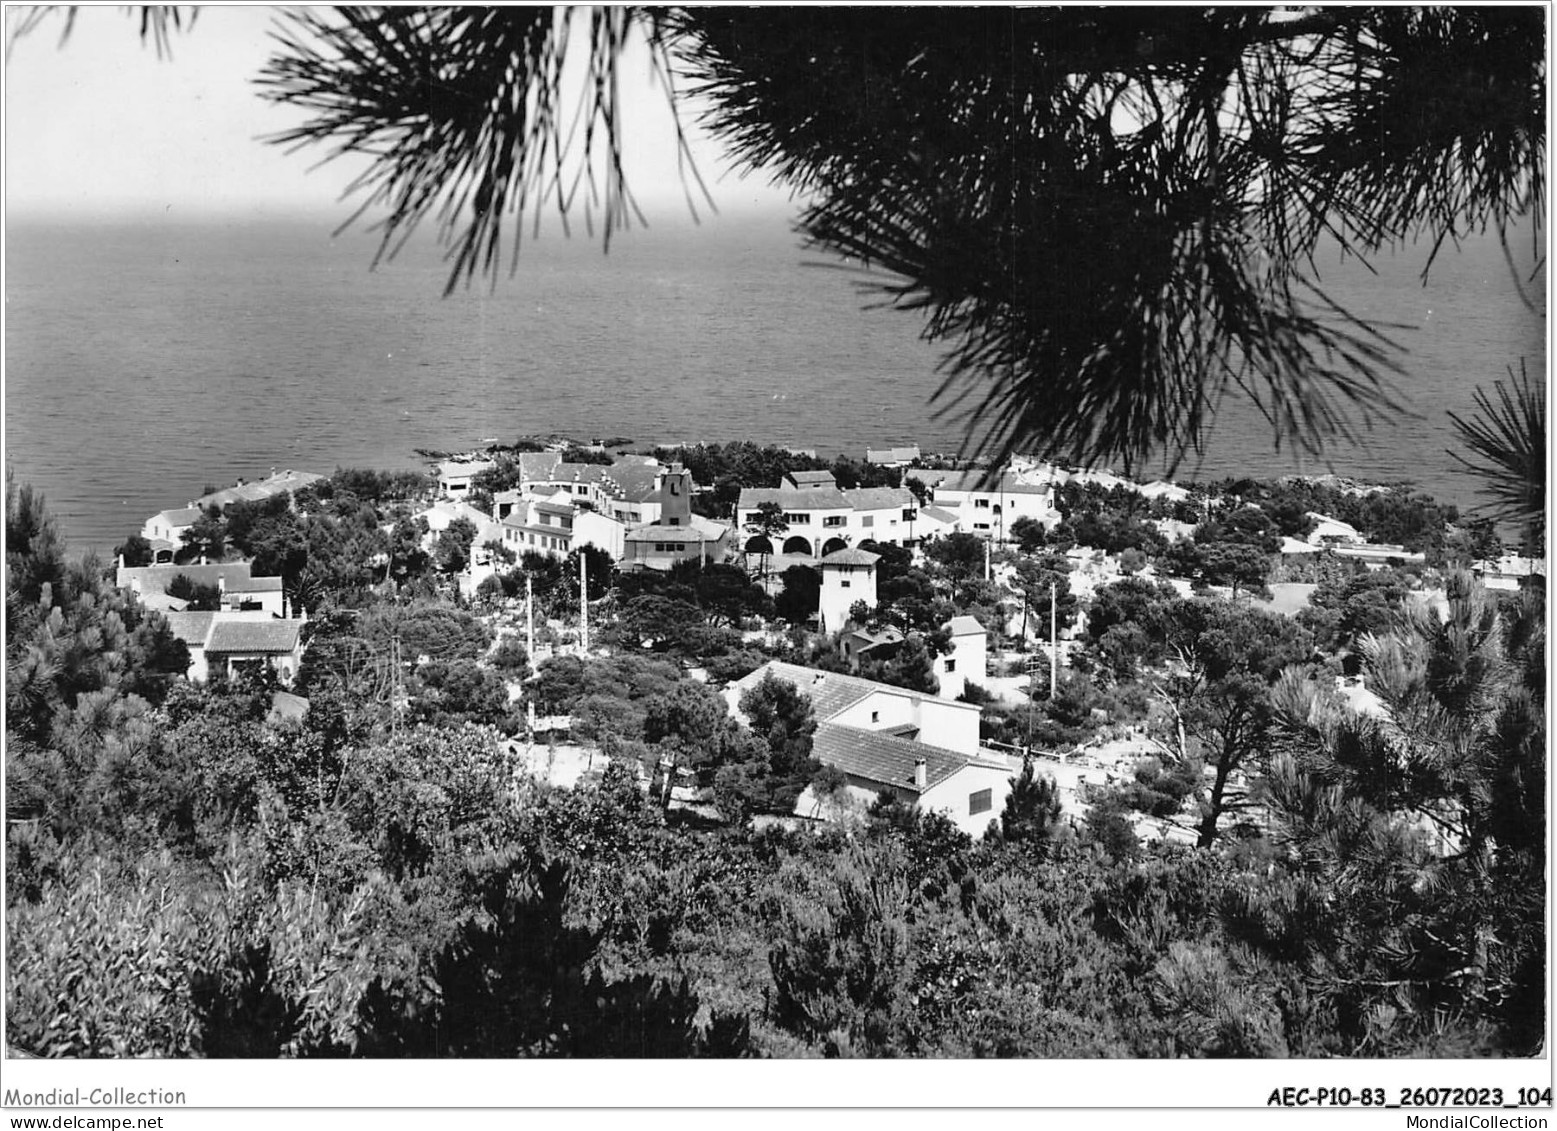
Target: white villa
[[824, 519], [989, 508], [455, 476], [253, 625], [165, 531], [919, 748], [231, 641]]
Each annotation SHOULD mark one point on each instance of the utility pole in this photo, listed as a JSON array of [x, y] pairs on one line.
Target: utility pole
[[395, 688], [583, 601], [529, 620], [986, 560], [1054, 640]]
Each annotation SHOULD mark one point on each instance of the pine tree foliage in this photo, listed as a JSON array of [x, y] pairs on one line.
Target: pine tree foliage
[[1415, 839], [1508, 437], [1109, 217]]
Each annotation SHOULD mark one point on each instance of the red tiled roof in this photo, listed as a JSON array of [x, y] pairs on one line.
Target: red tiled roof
[[240, 636], [851, 557], [880, 498], [829, 692], [191, 628], [812, 498], [184, 516], [883, 757], [157, 578], [700, 529]]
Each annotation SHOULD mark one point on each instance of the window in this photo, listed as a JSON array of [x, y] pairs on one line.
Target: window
[[981, 503], [981, 526], [875, 716], [797, 519], [674, 485], [908, 514], [834, 520], [753, 516], [845, 584], [673, 520], [951, 665], [980, 802], [868, 520]]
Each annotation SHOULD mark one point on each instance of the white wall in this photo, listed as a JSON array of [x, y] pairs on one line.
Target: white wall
[[593, 528], [878, 712], [269, 600], [883, 525], [952, 726], [951, 796], [972, 515], [838, 599], [971, 654]]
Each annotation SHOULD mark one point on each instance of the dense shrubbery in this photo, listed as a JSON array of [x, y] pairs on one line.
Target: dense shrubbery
[[190, 876]]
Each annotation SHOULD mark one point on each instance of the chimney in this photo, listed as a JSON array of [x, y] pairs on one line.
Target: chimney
[[921, 773]]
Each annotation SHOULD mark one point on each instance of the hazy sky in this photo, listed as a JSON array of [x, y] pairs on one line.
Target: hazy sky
[[101, 127]]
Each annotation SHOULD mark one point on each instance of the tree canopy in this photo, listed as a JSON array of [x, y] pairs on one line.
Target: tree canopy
[[1109, 217]]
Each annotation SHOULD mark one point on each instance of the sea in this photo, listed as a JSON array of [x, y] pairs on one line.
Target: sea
[[149, 359]]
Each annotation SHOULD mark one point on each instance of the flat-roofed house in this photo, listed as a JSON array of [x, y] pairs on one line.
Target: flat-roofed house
[[254, 595], [989, 507], [892, 457], [286, 482], [455, 476], [918, 748]]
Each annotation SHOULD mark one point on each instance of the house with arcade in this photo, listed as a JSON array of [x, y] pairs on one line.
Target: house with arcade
[[820, 518]]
